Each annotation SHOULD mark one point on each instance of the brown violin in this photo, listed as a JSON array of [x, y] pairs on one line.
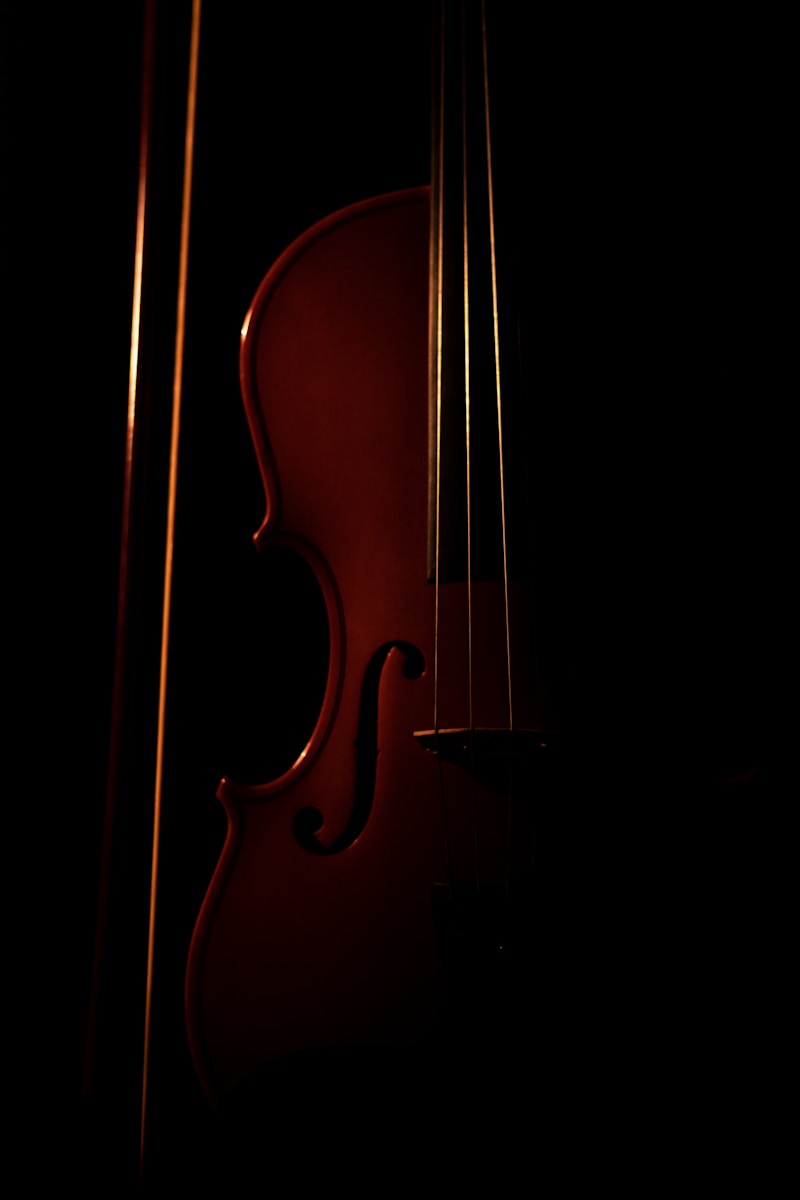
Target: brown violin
[[360, 896]]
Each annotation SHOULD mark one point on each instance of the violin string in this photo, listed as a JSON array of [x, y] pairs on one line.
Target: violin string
[[467, 405], [437, 218], [465, 232], [498, 395], [167, 594], [496, 347]]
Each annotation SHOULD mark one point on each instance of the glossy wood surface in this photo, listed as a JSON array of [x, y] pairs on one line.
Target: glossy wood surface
[[297, 949]]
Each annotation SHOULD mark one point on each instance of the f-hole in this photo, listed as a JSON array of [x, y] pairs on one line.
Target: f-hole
[[309, 821]]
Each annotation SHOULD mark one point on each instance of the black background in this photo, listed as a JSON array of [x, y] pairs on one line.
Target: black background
[[650, 179]]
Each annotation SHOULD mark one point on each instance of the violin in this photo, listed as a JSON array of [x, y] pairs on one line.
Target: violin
[[368, 895]]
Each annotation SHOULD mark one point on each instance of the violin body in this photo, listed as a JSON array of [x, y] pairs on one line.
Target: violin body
[[319, 929]]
